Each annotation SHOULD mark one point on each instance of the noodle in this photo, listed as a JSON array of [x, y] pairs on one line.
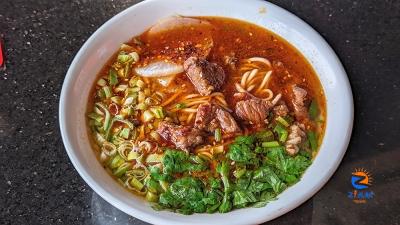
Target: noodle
[[189, 110], [195, 103], [191, 96], [260, 59], [190, 117], [251, 88], [239, 88], [244, 78], [252, 74], [222, 100], [265, 80], [172, 98]]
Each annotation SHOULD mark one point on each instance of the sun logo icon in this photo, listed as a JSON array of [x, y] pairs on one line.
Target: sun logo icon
[[361, 179]]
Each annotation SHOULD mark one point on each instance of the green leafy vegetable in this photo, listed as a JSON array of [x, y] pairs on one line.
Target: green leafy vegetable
[[242, 150], [313, 110], [175, 161], [185, 195], [312, 138]]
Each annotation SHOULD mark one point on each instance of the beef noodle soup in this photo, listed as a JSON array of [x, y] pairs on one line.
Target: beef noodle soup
[[206, 114]]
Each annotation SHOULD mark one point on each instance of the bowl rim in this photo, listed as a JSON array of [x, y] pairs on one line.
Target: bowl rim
[[152, 217]]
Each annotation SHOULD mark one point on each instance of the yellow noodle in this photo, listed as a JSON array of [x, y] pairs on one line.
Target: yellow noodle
[[190, 117], [222, 100], [216, 94], [189, 110], [270, 93], [239, 88], [191, 96], [256, 80], [196, 99], [251, 87], [265, 80], [244, 78], [276, 99], [260, 59], [195, 103], [172, 98], [252, 75]]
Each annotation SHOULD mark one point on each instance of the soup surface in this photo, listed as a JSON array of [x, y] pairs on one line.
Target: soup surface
[[206, 114]]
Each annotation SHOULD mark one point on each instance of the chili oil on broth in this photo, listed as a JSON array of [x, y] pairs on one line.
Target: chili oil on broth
[[230, 38]]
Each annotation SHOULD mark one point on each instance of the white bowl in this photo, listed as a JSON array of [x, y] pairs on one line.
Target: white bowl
[[136, 19]]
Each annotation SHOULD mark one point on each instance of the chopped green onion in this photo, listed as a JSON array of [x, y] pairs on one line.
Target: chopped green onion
[[122, 58], [153, 186], [158, 112], [135, 183], [116, 161], [134, 56], [128, 111], [107, 119], [239, 172], [129, 124], [283, 136], [132, 90], [147, 116], [155, 135], [270, 144], [141, 96], [164, 185], [129, 101], [282, 121], [101, 94], [125, 133], [151, 197], [218, 135], [141, 106], [180, 106], [95, 117], [154, 158], [140, 84], [99, 138], [112, 77], [312, 138], [133, 81], [101, 82], [127, 70], [107, 91], [313, 110], [125, 47], [121, 88], [132, 155], [116, 99], [282, 132], [122, 169]]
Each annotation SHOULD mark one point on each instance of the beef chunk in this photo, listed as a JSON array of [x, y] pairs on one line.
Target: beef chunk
[[255, 110], [205, 76], [209, 117], [296, 136], [299, 98], [281, 109], [184, 137], [241, 96], [226, 121]]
